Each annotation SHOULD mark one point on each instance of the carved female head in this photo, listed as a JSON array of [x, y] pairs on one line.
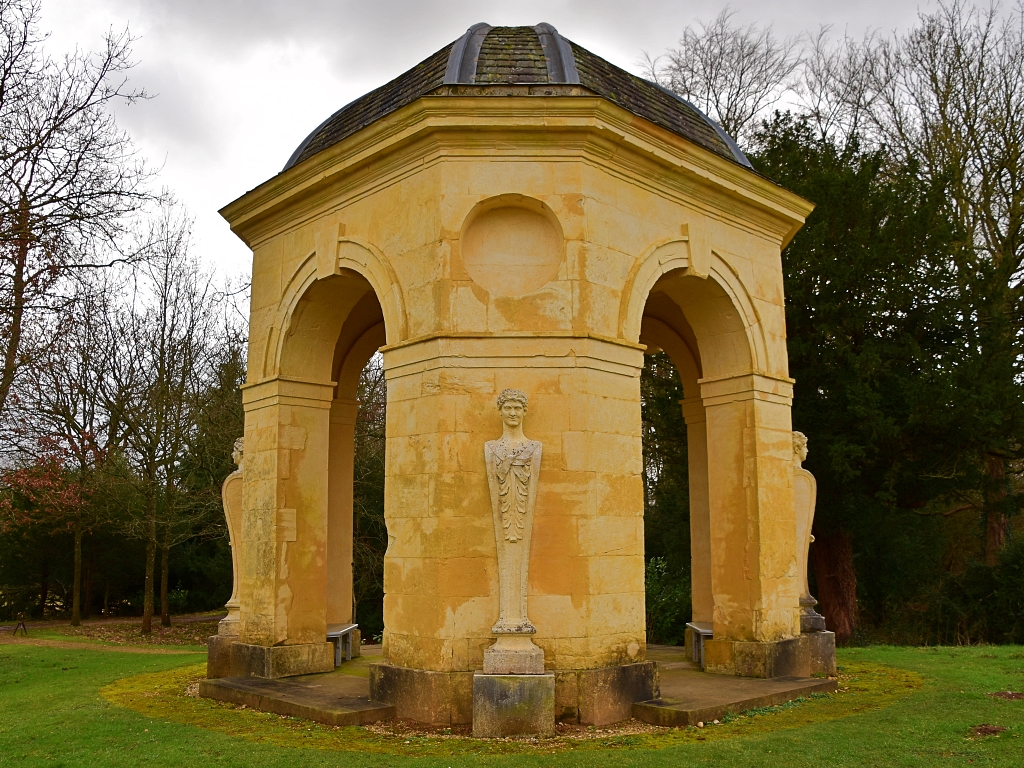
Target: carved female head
[[238, 451], [800, 446], [512, 404]]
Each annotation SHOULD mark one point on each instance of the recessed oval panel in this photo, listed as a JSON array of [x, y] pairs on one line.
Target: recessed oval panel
[[511, 251]]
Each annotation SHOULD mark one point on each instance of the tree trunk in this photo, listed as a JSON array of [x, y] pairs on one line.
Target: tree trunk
[[106, 598], [76, 586], [165, 603], [147, 599], [837, 582], [17, 309], [87, 589], [996, 523], [44, 588]]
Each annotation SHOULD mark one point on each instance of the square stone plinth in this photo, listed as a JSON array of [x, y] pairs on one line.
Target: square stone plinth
[[809, 654], [281, 660], [514, 655], [513, 705]]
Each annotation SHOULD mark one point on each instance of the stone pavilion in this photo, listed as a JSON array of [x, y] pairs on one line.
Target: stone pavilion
[[515, 212]]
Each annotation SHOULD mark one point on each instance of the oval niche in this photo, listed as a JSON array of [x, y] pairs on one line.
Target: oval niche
[[511, 250]]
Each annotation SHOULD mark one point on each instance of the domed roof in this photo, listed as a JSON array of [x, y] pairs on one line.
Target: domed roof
[[490, 59]]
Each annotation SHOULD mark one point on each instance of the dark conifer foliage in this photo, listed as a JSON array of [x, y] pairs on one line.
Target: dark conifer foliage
[[666, 500], [370, 534]]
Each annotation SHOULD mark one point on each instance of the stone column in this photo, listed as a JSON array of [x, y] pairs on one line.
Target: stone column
[[753, 528], [282, 571], [700, 516], [586, 575], [339, 512]]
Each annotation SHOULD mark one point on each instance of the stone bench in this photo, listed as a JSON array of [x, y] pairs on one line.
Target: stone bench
[[699, 632], [341, 635]]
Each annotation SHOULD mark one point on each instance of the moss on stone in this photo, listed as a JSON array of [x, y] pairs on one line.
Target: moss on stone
[[170, 696]]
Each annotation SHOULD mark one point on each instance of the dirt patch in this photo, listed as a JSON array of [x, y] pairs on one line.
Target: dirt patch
[[195, 632], [73, 646], [1008, 695], [987, 730]]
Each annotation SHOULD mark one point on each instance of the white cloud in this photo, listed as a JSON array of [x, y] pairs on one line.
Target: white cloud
[[239, 83]]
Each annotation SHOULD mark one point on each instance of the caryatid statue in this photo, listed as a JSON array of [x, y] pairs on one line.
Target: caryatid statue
[[513, 471], [805, 492], [231, 495]]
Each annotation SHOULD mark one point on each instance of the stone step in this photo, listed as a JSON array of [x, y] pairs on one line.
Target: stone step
[[331, 699], [688, 698]]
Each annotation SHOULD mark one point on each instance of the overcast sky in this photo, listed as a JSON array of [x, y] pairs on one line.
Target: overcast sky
[[239, 83]]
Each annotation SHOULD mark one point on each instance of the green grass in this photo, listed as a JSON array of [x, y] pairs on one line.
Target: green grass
[[903, 707]]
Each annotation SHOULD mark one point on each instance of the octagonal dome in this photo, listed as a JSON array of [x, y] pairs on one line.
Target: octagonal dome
[[515, 61]]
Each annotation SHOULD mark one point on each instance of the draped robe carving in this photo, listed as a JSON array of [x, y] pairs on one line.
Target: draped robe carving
[[512, 474]]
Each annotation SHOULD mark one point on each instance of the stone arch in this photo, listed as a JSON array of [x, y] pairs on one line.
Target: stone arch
[[711, 329], [335, 312], [317, 299], [369, 261], [655, 332], [718, 307], [660, 330]]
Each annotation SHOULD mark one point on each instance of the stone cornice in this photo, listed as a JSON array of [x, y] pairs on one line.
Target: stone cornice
[[504, 349], [749, 386], [572, 127]]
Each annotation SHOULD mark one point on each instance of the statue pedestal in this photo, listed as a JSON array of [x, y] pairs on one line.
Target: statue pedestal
[[810, 619], [514, 655], [513, 705], [231, 624]]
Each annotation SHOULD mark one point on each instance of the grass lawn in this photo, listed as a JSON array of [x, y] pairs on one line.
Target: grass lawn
[[93, 708]]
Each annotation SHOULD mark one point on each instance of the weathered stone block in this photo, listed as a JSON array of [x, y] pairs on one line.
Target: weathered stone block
[[804, 656], [515, 655], [604, 695], [281, 660], [818, 654], [218, 656], [513, 705], [567, 696], [607, 695], [437, 698]]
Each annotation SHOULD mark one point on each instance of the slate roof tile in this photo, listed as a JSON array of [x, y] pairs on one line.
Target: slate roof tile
[[511, 56]]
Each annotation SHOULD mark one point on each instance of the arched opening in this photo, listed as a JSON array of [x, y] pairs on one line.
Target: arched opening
[[356, 535], [667, 580], [693, 332], [331, 333]]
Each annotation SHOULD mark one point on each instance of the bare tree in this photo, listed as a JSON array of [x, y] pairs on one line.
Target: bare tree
[[59, 410], [165, 349], [732, 73], [839, 82], [69, 177]]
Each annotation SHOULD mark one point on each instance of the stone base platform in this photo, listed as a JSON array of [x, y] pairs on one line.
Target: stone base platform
[[333, 698], [513, 705], [586, 696], [689, 695], [810, 654]]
